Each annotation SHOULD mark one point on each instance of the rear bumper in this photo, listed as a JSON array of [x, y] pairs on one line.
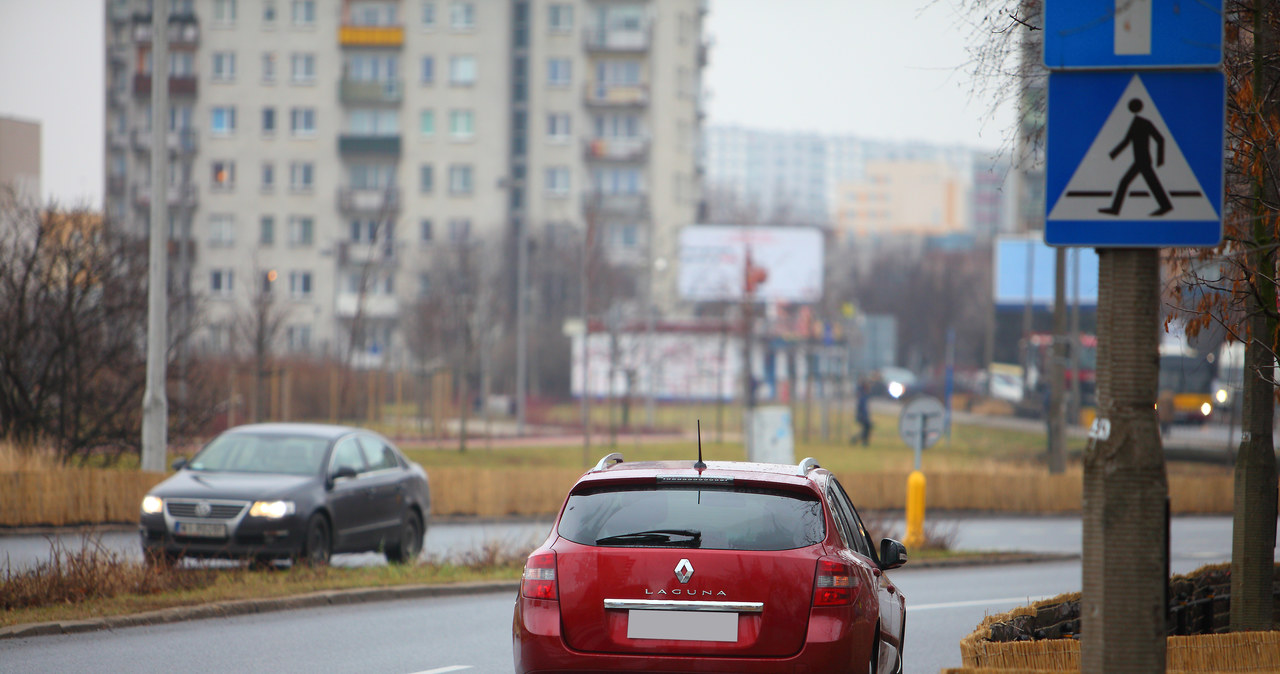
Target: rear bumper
[[831, 646]]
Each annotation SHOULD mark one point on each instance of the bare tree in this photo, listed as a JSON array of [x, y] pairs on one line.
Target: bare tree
[[260, 325]]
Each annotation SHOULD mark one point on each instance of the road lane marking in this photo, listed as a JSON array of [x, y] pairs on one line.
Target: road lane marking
[[976, 602], [443, 670]]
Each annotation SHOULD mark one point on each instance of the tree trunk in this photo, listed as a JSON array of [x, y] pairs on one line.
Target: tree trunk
[[1253, 534], [1125, 488]]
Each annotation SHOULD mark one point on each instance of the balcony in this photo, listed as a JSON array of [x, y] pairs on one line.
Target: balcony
[[371, 36], [358, 254], [183, 142], [379, 201], [617, 149], [180, 85], [180, 196], [631, 205], [179, 248], [184, 30], [363, 91], [603, 94], [599, 39], [119, 11], [115, 184], [374, 306], [369, 145], [117, 140]]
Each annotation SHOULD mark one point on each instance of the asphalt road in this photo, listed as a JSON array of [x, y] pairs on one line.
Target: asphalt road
[[473, 634]]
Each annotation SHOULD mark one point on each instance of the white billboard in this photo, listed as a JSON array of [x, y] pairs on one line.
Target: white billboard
[[713, 259]]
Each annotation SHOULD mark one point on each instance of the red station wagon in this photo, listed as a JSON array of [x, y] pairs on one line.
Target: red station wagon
[[676, 566]]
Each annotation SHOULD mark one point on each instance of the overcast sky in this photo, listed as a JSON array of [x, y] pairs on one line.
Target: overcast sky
[[891, 69]]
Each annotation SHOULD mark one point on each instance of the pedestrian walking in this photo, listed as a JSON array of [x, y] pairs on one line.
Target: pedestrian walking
[[864, 412]]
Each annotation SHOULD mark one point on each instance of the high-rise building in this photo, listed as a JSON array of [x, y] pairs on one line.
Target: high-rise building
[[330, 152], [20, 157]]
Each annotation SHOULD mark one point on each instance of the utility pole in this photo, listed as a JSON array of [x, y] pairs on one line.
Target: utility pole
[[522, 326], [155, 404], [1057, 359]]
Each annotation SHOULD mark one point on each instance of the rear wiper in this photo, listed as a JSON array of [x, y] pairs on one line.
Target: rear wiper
[[691, 538]]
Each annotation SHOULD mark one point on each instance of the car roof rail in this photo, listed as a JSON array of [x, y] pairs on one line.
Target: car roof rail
[[614, 458], [808, 464]]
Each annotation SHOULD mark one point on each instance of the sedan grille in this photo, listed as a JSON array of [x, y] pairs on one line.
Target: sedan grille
[[217, 511]]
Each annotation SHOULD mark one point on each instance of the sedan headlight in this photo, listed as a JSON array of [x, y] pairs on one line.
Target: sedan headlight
[[1206, 409], [1221, 396], [152, 504], [271, 509]]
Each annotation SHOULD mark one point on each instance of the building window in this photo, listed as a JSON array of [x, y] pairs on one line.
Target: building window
[[462, 15], [301, 231], [462, 70], [426, 178], [558, 180], [300, 285], [298, 337], [268, 176], [302, 176], [373, 14], [427, 123], [303, 68], [462, 124], [618, 72], [618, 181], [224, 11], [182, 64], [224, 66], [559, 72], [269, 121], [459, 230], [268, 279], [428, 69], [371, 176], [302, 121], [428, 14], [372, 68], [222, 230], [364, 231], [558, 127], [269, 13], [267, 230], [269, 67], [222, 120], [460, 179], [628, 236], [424, 284], [304, 12], [424, 230], [560, 17], [224, 174], [221, 283]]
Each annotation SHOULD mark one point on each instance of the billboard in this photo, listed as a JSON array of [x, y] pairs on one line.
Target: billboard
[[713, 259], [1024, 267]]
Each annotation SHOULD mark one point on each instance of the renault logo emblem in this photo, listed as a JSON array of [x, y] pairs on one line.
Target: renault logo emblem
[[684, 571], [203, 509]]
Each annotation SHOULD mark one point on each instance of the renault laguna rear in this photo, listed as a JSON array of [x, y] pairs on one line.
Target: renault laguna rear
[[722, 567]]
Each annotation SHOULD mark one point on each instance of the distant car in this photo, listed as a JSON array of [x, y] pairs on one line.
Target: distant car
[[674, 566], [299, 491]]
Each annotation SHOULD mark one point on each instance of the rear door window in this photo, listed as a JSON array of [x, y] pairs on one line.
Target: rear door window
[[721, 518], [861, 540]]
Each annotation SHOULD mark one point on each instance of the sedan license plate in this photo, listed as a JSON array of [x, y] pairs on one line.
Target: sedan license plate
[[682, 625], [200, 529]]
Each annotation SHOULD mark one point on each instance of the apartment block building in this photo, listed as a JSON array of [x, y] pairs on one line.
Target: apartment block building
[[20, 157], [330, 152]]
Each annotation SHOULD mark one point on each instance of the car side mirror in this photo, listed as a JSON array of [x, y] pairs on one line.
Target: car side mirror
[[179, 463], [892, 554], [341, 473]]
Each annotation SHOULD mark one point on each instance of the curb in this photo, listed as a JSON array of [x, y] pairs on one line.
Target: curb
[[247, 606], [226, 609]]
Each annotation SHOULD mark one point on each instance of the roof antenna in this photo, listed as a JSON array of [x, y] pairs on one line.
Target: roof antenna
[[700, 465]]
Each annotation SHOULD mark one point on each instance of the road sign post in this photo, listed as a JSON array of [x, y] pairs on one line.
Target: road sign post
[[1134, 162], [920, 425]]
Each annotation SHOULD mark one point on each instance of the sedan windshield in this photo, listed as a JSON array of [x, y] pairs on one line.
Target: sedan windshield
[[734, 518], [247, 453]]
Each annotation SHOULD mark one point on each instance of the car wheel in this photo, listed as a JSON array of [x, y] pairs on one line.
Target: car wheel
[[316, 545], [407, 549]]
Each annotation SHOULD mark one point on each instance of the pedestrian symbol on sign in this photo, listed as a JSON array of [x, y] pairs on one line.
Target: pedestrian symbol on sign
[[1103, 185]]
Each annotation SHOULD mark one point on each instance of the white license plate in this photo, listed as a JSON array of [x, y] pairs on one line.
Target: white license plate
[[682, 625], [200, 529]]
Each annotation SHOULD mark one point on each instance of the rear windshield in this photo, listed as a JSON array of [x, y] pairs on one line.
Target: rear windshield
[[732, 518]]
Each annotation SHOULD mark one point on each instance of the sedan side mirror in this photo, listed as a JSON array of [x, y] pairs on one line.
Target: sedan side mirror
[[892, 554], [340, 473], [179, 463]]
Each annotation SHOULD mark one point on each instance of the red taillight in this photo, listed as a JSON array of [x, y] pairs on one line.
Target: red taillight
[[539, 580], [834, 583]]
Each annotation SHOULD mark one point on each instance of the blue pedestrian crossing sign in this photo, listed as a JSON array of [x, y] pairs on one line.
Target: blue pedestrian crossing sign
[[1132, 34], [1135, 159]]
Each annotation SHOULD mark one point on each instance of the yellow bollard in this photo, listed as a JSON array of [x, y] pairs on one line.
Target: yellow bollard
[[915, 510]]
